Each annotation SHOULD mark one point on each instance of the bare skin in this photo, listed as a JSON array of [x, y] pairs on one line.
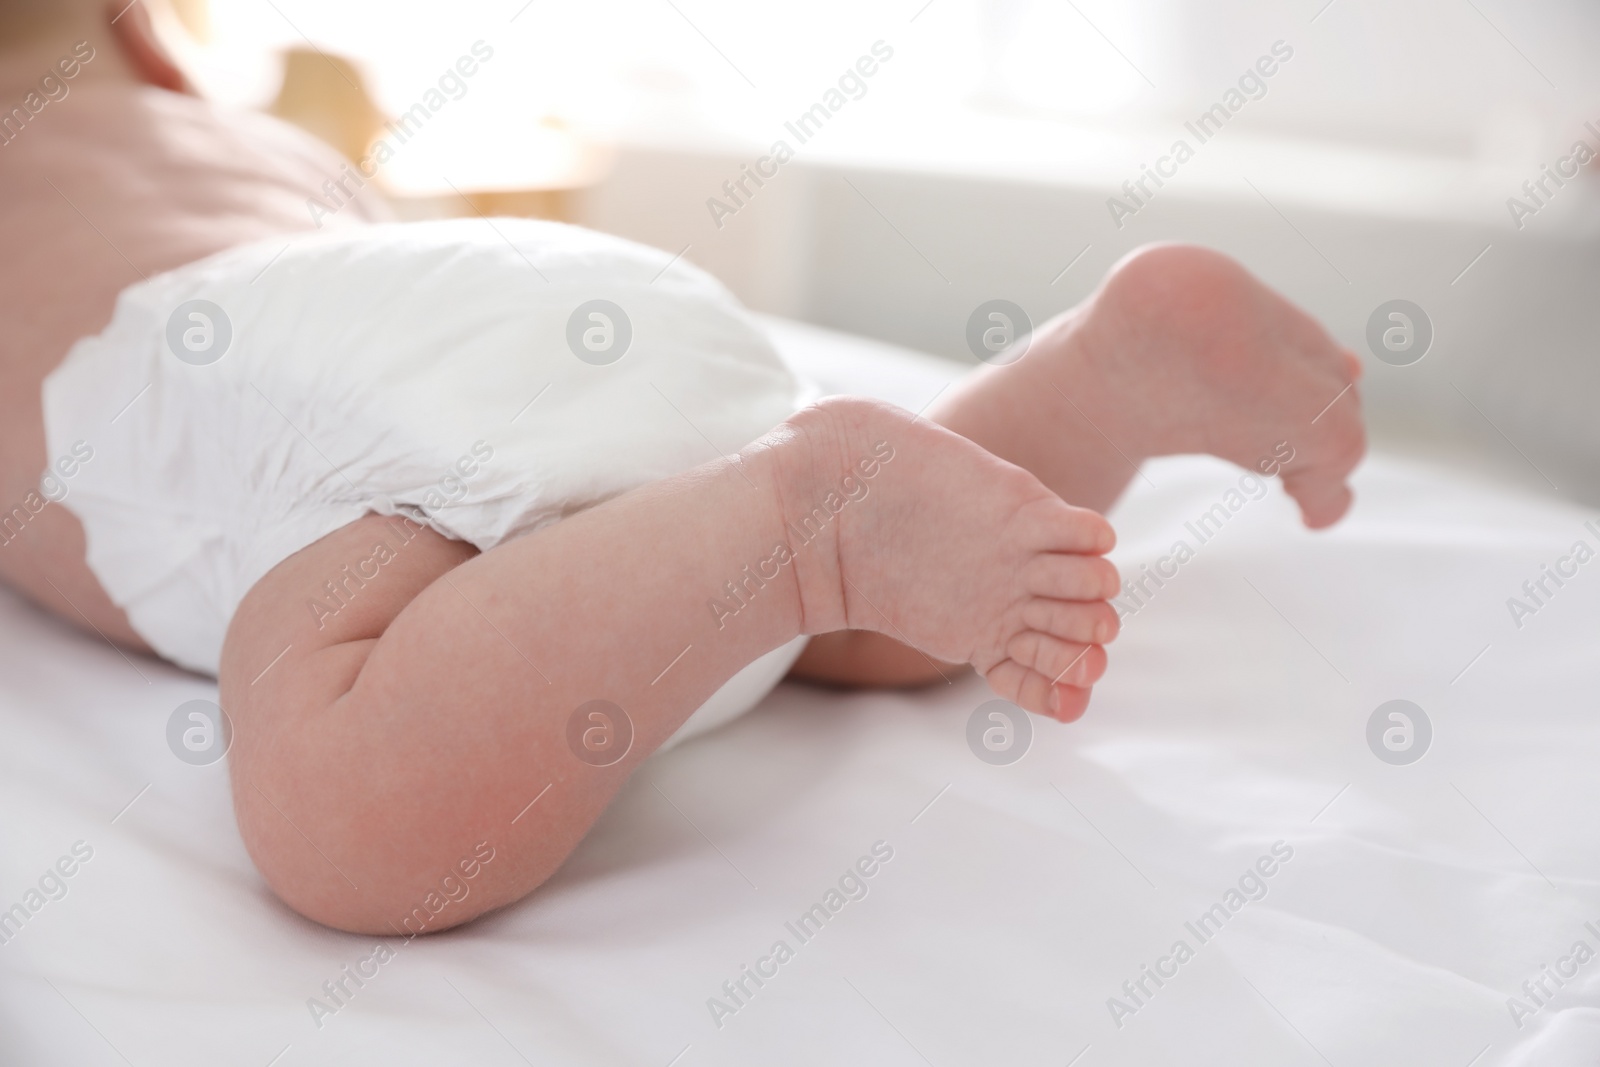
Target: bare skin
[[116, 181], [378, 751], [453, 698]]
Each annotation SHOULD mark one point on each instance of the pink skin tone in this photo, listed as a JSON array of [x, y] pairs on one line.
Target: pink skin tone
[[112, 183], [427, 714]]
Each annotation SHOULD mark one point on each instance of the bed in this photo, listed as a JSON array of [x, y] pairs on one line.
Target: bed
[[1349, 888]]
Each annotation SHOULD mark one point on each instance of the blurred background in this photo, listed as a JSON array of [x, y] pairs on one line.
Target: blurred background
[[977, 161]]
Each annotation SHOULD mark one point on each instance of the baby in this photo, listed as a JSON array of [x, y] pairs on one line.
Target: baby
[[579, 595]]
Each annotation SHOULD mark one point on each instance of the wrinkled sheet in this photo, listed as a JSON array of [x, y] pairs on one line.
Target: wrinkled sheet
[[1405, 906]]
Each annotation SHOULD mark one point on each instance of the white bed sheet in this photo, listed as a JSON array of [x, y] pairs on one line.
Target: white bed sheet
[[1018, 899]]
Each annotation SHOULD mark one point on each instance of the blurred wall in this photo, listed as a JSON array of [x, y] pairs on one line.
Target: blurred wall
[[906, 256]]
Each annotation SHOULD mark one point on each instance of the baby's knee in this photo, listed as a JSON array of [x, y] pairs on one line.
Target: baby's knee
[[388, 888], [362, 862], [438, 901]]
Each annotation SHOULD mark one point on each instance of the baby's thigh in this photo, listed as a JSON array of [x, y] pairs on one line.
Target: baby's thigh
[[296, 646], [303, 632]]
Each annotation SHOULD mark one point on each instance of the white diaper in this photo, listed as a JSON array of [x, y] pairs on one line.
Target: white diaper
[[455, 372]]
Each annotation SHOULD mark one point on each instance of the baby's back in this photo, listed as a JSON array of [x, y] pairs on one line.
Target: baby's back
[[114, 183]]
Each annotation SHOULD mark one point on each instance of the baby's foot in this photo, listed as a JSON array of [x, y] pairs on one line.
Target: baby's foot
[[1182, 350], [925, 537]]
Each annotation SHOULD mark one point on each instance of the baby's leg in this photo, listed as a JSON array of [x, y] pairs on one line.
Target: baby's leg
[[1179, 350], [428, 714]]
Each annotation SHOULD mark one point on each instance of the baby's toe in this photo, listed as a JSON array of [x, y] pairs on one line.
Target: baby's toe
[[1071, 702], [1061, 527], [1027, 689], [1091, 622], [1323, 501], [1034, 692], [1068, 576], [1062, 662]]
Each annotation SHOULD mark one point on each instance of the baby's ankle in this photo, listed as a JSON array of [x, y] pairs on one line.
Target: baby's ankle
[[1071, 365], [827, 458]]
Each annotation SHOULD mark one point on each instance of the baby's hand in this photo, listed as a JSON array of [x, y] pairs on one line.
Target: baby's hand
[[1204, 358]]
